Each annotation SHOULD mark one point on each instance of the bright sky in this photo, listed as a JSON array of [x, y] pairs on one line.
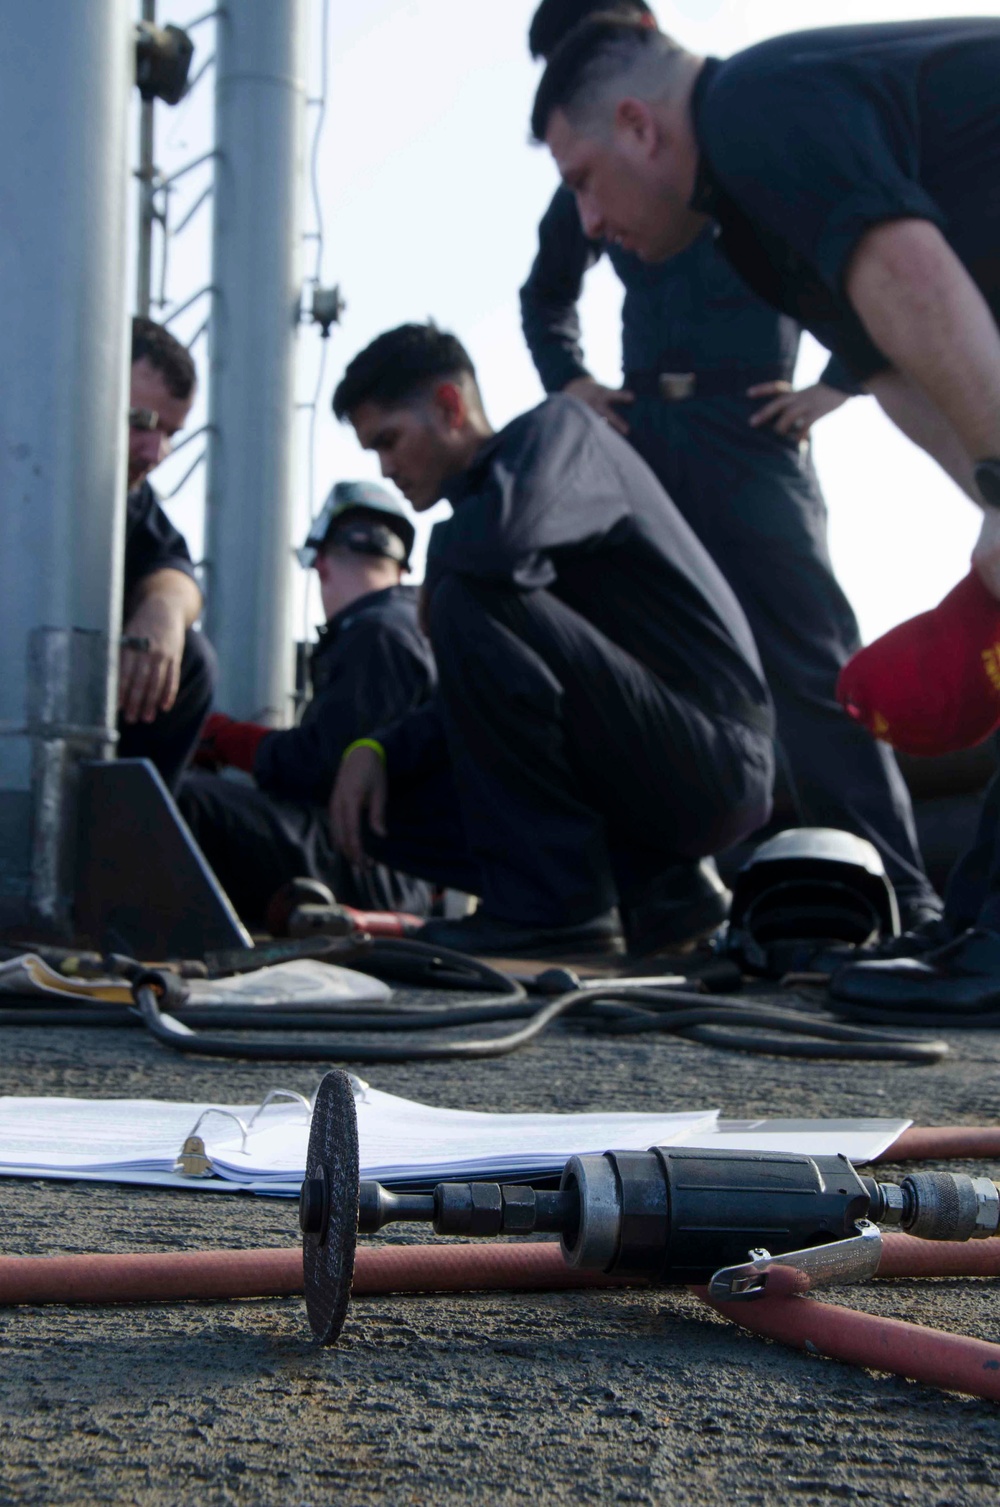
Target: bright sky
[[431, 196]]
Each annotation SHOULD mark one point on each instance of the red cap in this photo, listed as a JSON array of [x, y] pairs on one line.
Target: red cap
[[931, 685]]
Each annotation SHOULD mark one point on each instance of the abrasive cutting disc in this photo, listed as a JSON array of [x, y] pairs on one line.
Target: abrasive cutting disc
[[328, 1257]]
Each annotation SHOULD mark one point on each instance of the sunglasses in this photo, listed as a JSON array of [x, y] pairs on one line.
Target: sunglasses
[[146, 419]]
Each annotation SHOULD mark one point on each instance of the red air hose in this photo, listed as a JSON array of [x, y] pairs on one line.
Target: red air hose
[[951, 1361], [275, 1273], [943, 1360], [140, 1278], [943, 1142]]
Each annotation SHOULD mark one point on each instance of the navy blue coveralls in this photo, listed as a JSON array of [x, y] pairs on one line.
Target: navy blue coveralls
[[900, 121], [371, 664], [751, 496], [601, 713], [151, 544]]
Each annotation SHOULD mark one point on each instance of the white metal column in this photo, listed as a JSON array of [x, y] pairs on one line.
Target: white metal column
[[65, 75], [259, 138]]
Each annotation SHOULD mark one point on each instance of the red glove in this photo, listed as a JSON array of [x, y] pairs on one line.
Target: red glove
[[931, 685], [226, 741]]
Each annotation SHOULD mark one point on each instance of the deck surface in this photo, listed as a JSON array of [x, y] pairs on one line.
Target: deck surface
[[597, 1397]]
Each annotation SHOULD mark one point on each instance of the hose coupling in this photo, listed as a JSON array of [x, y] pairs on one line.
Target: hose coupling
[[950, 1206]]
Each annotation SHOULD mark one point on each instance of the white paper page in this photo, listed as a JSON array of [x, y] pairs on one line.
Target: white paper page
[[400, 1136], [860, 1140]]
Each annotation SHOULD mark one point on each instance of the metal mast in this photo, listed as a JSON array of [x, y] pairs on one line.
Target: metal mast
[[65, 76], [259, 137]]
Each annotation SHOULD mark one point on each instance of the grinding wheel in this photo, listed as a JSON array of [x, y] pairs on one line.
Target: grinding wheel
[[329, 1207]]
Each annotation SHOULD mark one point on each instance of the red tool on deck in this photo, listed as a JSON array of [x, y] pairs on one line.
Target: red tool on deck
[[307, 908]]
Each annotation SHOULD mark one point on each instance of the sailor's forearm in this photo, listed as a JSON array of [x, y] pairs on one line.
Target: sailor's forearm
[[173, 589], [912, 411], [925, 313]]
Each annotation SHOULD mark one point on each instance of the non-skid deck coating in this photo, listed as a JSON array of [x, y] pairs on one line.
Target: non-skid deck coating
[[569, 1397]]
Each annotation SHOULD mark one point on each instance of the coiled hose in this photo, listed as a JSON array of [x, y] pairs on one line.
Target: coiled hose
[[713, 1020]]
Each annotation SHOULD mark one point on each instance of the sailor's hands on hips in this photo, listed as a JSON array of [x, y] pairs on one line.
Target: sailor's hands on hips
[[359, 797], [603, 400], [148, 678], [793, 413], [986, 555]]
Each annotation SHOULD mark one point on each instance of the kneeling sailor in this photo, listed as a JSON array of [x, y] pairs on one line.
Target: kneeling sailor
[[601, 723]]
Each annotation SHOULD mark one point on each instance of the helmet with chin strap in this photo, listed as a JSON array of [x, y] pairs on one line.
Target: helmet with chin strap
[[364, 518]]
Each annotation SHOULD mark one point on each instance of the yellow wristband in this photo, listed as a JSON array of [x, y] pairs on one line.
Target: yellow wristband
[[371, 743]]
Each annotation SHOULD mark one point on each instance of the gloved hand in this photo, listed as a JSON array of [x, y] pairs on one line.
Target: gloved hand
[[226, 741], [931, 685]]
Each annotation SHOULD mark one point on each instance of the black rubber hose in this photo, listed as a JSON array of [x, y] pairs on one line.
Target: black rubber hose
[[82, 1015], [183, 1039], [677, 1013], [661, 1014]]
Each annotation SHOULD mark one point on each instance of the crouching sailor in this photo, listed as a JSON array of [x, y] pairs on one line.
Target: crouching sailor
[[601, 723], [371, 664]]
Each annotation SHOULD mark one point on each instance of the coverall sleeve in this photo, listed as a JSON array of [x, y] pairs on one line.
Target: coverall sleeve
[[151, 541], [817, 187], [549, 298], [414, 744], [374, 678], [558, 488], [835, 374]]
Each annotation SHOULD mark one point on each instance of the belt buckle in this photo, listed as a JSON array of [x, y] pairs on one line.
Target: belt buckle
[[676, 386]]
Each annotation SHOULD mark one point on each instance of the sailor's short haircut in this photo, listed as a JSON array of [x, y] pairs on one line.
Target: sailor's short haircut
[[555, 19], [154, 343], [401, 365], [597, 62]]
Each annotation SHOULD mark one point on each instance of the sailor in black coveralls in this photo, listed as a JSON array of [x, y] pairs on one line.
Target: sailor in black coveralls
[[853, 173], [695, 343], [167, 673], [371, 664], [601, 722]]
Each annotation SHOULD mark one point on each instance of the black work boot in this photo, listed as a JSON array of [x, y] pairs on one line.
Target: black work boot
[[959, 981], [686, 902], [489, 936]]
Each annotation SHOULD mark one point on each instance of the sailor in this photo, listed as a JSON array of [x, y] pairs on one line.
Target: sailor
[[698, 348], [853, 174], [601, 722], [371, 664], [167, 669]]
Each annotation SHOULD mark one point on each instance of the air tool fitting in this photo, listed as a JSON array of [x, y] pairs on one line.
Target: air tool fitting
[[941, 1206]]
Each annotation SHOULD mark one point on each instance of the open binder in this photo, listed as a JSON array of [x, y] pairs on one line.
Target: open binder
[[261, 1148]]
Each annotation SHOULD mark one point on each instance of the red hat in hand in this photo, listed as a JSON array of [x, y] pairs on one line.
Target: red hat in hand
[[931, 685]]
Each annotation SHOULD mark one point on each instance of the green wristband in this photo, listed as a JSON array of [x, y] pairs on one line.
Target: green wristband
[[371, 743]]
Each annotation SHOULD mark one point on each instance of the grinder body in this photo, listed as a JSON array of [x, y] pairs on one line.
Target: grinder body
[[673, 1215]]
